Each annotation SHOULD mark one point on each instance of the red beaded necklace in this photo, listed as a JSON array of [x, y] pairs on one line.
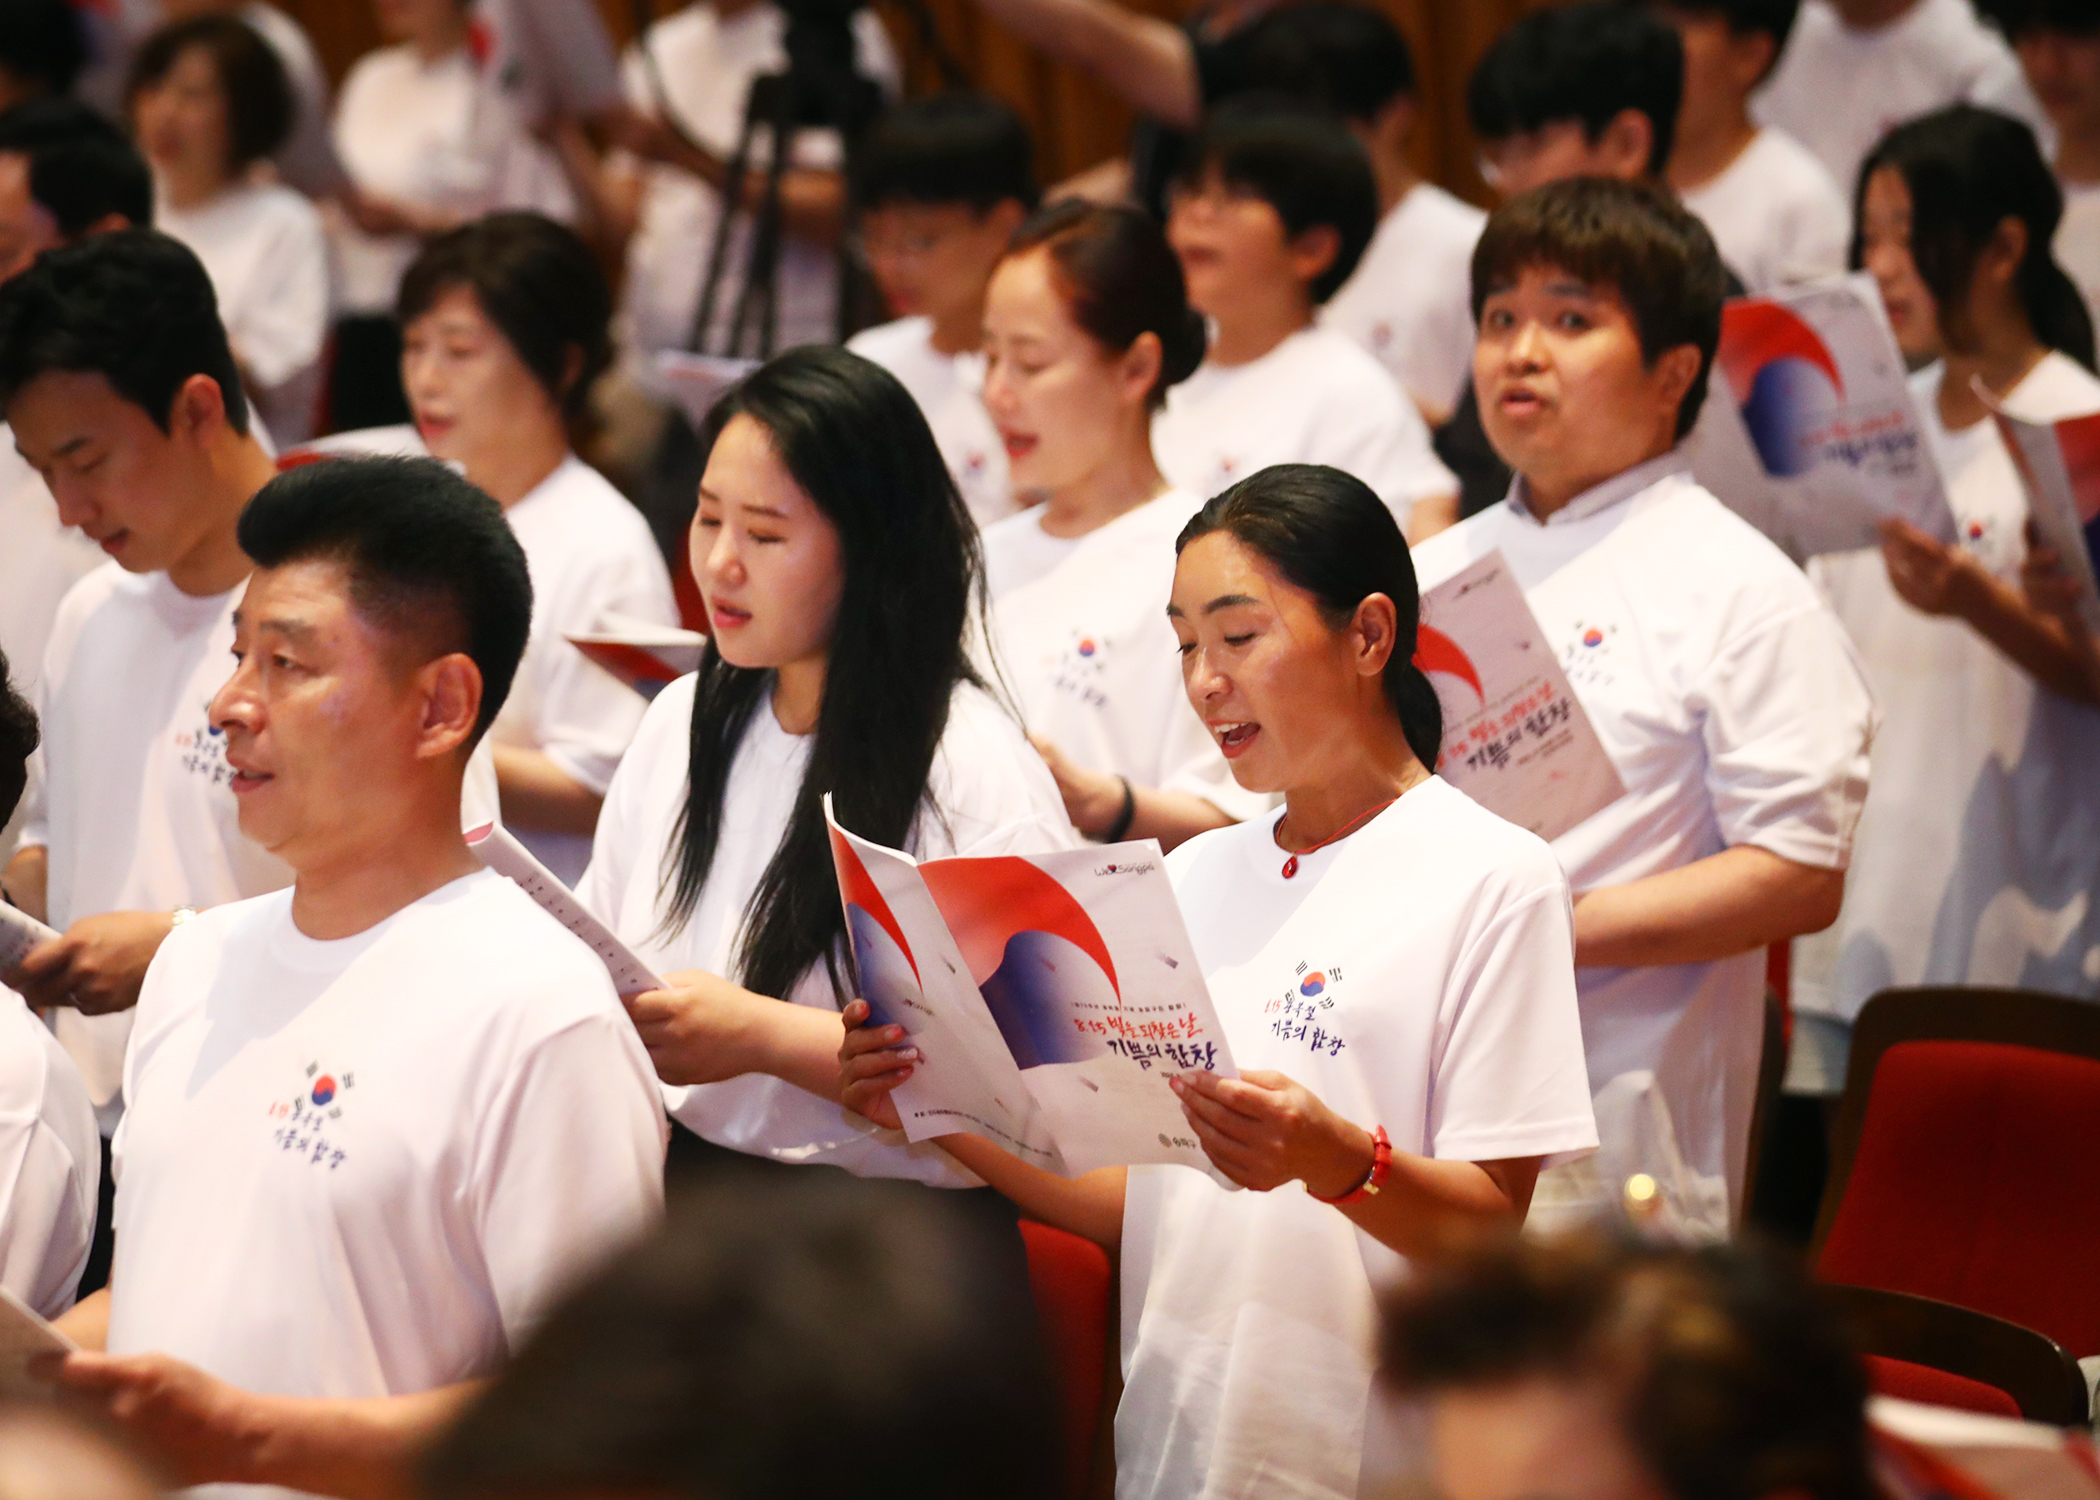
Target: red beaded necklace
[[1290, 865]]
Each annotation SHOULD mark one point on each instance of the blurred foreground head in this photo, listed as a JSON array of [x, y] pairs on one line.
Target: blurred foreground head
[[784, 1335], [48, 1455], [1589, 1369]]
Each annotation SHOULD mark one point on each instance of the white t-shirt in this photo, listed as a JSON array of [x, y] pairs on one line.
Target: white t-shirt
[[1087, 650], [305, 160], [1838, 90], [1418, 975], [50, 1163], [1316, 398], [950, 391], [365, 1167], [1775, 213], [707, 61], [990, 794], [590, 553], [1409, 299], [436, 136], [551, 58], [1726, 694], [1979, 852], [2077, 242], [267, 254]]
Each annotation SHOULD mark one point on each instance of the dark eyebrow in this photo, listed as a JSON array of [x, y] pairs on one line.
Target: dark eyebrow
[[71, 445], [1223, 601], [756, 510], [297, 631]]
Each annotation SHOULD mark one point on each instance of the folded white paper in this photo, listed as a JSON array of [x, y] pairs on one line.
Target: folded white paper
[[1810, 433], [19, 932], [25, 1335], [695, 381], [641, 653], [2059, 467], [1050, 997], [1516, 739], [497, 849]]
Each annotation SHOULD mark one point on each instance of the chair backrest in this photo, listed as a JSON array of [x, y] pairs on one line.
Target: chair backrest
[[1071, 1279], [1964, 1167], [1935, 1352]]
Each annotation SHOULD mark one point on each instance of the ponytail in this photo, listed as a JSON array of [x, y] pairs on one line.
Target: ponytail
[[1327, 533]]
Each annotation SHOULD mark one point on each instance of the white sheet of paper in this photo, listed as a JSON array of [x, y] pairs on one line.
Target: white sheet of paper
[[641, 653], [2059, 467], [25, 1334], [1810, 433], [1515, 737], [1079, 966], [1930, 1452], [19, 932], [695, 381], [497, 849]]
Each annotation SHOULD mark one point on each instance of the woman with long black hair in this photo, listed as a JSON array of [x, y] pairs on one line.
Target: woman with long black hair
[[840, 573], [1979, 845], [1394, 969]]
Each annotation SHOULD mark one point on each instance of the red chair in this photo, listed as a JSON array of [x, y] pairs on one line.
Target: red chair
[[1071, 1278], [1963, 1169], [1944, 1355]]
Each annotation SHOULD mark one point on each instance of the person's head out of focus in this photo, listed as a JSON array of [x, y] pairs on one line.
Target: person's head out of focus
[[43, 49], [208, 99], [433, 27], [374, 645], [504, 327], [1955, 217], [122, 392], [49, 1454], [1730, 47], [1598, 309], [19, 737], [1586, 1369], [1589, 90], [1343, 56], [802, 1335], [939, 185], [65, 173], [2058, 42]]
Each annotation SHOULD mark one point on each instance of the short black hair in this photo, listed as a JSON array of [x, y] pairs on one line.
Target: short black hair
[[18, 740], [961, 146], [82, 169], [1772, 18], [43, 42], [259, 104], [1303, 163], [1586, 63], [1633, 237], [133, 306], [1340, 55], [538, 282], [728, 1357], [430, 557], [2018, 18], [1732, 1378]]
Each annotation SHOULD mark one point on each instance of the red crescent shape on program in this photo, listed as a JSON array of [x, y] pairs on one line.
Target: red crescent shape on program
[[1755, 332], [859, 888], [1437, 652]]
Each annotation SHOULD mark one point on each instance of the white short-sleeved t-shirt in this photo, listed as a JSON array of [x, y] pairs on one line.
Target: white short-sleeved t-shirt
[[990, 794], [365, 1167], [1979, 851], [950, 391], [551, 58], [1409, 299], [1418, 975], [590, 553], [1316, 398], [1775, 213], [434, 135], [1089, 654], [706, 61], [266, 251], [1838, 89], [50, 1163], [1725, 692], [2077, 242]]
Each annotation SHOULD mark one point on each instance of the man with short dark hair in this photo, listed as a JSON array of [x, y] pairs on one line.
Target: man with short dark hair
[[377, 1121], [1721, 686]]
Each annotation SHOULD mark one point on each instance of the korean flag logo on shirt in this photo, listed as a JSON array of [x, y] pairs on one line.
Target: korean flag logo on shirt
[[1585, 655], [306, 1124]]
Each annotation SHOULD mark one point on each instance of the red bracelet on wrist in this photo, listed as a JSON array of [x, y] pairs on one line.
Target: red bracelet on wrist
[[1381, 1164]]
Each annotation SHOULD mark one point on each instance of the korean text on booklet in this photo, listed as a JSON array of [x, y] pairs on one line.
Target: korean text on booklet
[[515, 863], [1810, 434], [641, 653], [2059, 464], [24, 1335], [1050, 997], [1515, 737], [19, 932]]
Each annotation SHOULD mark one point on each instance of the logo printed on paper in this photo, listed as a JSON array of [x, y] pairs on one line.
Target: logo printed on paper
[[1437, 652], [1784, 380]]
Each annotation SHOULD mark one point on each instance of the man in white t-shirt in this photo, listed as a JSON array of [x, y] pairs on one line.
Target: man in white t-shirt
[[1720, 684], [1854, 69], [940, 186], [50, 1152], [378, 1120], [122, 393], [1771, 206]]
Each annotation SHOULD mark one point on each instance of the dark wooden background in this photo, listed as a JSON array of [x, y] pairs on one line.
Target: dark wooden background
[[1076, 122]]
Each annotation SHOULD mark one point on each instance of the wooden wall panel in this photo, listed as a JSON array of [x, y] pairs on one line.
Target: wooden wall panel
[[1077, 122]]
